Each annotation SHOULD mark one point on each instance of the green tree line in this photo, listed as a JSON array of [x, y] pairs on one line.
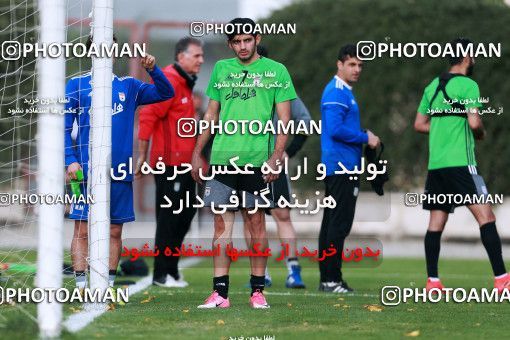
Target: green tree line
[[389, 89]]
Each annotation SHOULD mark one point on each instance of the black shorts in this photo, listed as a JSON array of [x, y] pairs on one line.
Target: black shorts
[[280, 187], [247, 187], [459, 180]]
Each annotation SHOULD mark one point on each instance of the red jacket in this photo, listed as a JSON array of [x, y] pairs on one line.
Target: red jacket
[[159, 121]]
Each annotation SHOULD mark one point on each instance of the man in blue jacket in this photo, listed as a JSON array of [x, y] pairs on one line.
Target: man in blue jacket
[[127, 94], [341, 141]]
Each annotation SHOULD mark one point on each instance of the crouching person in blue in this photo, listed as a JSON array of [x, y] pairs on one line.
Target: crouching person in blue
[[127, 94]]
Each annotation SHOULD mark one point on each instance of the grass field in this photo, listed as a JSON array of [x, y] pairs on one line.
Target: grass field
[[160, 313]]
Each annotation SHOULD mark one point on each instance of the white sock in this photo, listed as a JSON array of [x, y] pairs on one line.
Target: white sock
[[290, 263], [80, 279], [434, 279], [501, 276], [81, 284]]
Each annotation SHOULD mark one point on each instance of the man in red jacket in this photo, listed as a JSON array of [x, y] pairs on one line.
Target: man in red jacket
[[159, 123]]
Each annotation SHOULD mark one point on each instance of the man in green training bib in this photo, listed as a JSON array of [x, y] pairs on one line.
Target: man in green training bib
[[245, 93], [448, 112]]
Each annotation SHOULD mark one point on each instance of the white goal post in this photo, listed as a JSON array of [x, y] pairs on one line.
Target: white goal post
[[50, 174], [100, 150], [51, 166]]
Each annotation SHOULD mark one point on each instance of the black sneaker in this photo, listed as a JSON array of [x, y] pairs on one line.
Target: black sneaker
[[335, 287]]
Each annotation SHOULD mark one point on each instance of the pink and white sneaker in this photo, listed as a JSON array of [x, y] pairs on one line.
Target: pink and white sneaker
[[502, 283], [431, 284], [215, 301], [258, 300]]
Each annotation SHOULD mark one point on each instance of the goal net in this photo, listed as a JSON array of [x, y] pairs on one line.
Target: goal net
[[34, 236]]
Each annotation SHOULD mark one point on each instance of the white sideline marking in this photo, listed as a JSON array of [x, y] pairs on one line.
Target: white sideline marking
[[78, 321], [323, 294], [294, 294]]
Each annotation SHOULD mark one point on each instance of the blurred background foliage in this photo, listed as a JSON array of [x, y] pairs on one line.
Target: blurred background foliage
[[389, 90]]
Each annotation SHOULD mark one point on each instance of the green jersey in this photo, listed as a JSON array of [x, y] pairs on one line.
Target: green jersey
[[451, 141], [247, 93]]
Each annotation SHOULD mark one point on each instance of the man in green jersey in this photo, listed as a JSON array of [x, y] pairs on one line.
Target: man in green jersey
[[448, 112], [245, 90]]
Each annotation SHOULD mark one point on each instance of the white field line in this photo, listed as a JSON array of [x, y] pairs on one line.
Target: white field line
[[78, 321]]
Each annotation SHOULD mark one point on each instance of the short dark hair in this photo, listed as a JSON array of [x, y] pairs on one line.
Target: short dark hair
[[239, 24], [457, 59], [262, 51], [346, 52], [90, 39], [183, 44]]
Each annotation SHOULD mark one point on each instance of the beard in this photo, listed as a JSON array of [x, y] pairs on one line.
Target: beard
[[470, 69], [354, 79], [248, 57]]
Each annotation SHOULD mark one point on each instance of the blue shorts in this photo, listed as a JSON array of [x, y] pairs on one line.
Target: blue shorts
[[121, 204]]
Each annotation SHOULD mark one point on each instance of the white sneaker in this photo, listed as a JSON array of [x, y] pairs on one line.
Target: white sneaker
[[181, 278], [171, 282]]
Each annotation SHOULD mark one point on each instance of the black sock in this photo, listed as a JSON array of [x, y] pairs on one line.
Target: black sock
[[492, 244], [174, 272], [257, 283], [432, 247], [220, 284], [111, 277]]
